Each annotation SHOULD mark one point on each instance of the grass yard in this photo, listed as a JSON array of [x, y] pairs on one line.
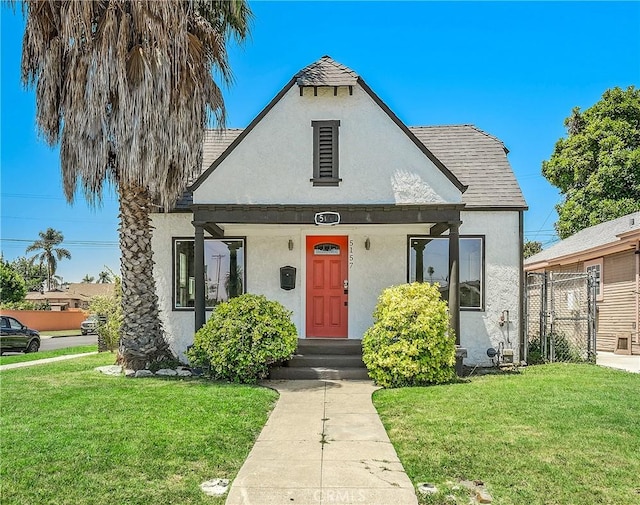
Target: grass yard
[[554, 434], [62, 333], [19, 358], [71, 435]]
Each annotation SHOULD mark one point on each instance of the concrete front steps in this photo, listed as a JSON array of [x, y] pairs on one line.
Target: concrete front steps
[[324, 358]]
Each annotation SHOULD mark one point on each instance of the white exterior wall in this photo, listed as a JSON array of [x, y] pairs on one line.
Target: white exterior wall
[[385, 264], [378, 163], [480, 330], [178, 325]]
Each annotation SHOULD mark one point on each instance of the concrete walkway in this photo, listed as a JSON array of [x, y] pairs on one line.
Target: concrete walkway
[[323, 444], [45, 360], [620, 361]]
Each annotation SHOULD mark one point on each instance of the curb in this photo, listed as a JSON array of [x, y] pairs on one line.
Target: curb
[[61, 336]]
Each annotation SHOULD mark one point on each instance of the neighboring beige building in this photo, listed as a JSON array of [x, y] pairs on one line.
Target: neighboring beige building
[[611, 251], [75, 296]]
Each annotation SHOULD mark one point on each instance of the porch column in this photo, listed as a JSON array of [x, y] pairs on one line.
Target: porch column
[[233, 269], [454, 290], [454, 275], [200, 316], [418, 246]]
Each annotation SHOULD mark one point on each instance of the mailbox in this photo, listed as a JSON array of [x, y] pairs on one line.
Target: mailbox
[[288, 278]]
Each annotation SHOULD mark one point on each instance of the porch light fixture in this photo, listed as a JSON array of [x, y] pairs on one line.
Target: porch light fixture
[[290, 245], [367, 244]]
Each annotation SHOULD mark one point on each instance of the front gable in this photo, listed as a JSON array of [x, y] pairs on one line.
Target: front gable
[[378, 160]]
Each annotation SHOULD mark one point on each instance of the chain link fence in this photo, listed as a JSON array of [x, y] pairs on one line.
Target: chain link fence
[[560, 318]]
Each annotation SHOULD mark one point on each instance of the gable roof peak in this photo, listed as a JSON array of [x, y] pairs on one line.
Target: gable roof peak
[[326, 72]]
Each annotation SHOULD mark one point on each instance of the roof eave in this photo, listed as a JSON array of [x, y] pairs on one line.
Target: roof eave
[[203, 176], [586, 254], [496, 207], [441, 166]]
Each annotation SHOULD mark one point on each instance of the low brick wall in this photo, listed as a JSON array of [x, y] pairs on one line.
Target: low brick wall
[[48, 320]]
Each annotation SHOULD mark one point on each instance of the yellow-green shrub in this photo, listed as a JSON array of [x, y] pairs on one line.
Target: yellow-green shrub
[[410, 343], [243, 337], [108, 308]]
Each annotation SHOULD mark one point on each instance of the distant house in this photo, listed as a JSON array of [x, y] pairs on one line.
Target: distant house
[[75, 296], [326, 198], [611, 251]]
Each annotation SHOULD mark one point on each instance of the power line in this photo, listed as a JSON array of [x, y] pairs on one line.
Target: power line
[[544, 222], [22, 218], [66, 242], [551, 242], [42, 197]]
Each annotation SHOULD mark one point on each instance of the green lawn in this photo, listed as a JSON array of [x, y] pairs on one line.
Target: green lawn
[[19, 358], [71, 435], [554, 434], [62, 333]]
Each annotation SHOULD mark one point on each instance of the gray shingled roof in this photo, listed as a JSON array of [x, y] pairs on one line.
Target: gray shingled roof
[[476, 158], [589, 238], [215, 142], [326, 72]]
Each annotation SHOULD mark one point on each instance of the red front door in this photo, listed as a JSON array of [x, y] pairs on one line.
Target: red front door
[[327, 286]]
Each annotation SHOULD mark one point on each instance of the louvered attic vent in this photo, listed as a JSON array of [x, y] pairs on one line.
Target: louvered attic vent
[[325, 153]]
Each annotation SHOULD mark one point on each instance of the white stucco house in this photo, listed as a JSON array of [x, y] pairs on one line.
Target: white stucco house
[[329, 181]]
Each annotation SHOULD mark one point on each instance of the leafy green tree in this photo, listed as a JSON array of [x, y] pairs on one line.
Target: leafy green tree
[[531, 247], [33, 274], [88, 279], [127, 88], [12, 286], [50, 252], [597, 166]]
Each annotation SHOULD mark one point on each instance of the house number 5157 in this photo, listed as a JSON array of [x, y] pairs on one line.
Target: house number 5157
[[350, 253]]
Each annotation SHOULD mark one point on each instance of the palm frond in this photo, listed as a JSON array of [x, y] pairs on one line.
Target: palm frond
[[127, 87]]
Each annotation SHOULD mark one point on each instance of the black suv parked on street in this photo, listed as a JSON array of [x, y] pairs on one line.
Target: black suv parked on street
[[16, 337]]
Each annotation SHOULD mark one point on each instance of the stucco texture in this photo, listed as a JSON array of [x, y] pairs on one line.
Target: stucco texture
[[378, 162], [383, 265]]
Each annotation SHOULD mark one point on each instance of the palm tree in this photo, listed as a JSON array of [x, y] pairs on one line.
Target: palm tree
[[233, 282], [88, 278], [104, 278], [50, 254], [57, 282], [127, 88]]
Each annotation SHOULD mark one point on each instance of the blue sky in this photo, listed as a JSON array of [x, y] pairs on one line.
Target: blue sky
[[513, 69]]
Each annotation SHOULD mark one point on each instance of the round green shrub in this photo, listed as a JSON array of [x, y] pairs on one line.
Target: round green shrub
[[243, 337], [410, 343]]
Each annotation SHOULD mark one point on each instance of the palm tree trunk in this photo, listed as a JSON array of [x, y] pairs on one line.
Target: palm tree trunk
[[142, 338]]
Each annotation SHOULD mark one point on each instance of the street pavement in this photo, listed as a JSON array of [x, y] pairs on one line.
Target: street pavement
[[48, 343]]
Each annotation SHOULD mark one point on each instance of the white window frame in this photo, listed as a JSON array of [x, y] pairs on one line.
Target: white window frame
[[589, 266]]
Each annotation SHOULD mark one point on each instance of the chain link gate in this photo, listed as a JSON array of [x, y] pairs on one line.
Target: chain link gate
[[560, 317]]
